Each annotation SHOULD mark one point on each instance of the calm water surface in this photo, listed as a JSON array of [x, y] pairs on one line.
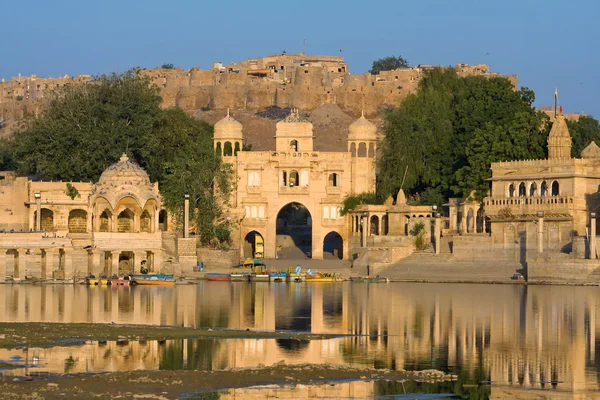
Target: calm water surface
[[521, 338]]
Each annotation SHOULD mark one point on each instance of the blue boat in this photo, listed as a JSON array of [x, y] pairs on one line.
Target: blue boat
[[277, 276], [153, 279]]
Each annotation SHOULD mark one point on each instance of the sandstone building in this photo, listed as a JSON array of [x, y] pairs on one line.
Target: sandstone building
[[68, 230]]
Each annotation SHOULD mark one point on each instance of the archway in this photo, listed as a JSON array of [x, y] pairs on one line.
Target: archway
[[522, 190], [333, 246], [294, 232], [555, 192], [47, 219], [77, 221], [125, 221], [544, 189], [470, 221], [146, 222], [163, 220], [105, 221], [254, 245], [125, 263], [374, 225]]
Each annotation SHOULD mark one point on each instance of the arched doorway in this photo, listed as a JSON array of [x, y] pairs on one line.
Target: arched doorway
[[294, 232], [77, 221], [125, 263], [254, 245], [125, 221], [333, 246], [162, 221]]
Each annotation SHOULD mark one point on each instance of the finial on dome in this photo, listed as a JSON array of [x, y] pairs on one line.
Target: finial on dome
[[124, 158], [362, 112], [228, 111]]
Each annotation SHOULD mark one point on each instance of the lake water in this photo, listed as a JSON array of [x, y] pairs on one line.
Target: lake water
[[524, 339]]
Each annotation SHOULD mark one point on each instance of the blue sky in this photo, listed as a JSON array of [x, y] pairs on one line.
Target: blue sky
[[546, 43]]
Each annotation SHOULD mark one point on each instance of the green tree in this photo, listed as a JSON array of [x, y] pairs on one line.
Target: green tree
[[583, 131], [168, 66], [452, 128], [388, 64]]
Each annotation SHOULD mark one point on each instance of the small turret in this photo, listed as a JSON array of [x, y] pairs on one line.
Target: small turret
[[228, 136], [294, 133]]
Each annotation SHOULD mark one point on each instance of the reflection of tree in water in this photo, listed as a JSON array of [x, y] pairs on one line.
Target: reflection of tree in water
[[292, 345], [200, 355]]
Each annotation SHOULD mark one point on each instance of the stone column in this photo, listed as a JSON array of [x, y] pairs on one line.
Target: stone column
[[483, 224], [186, 216], [114, 263], [364, 226], [593, 236], [2, 265], [138, 257], [68, 266], [157, 258], [463, 221], [540, 238], [51, 262], [437, 233], [97, 262], [21, 264], [38, 216]]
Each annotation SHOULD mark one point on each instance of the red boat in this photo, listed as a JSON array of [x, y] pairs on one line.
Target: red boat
[[217, 277], [121, 281]]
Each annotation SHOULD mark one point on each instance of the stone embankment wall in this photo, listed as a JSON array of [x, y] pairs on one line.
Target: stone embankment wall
[[217, 259]]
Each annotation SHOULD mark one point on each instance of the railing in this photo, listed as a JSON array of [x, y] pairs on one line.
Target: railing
[[525, 201], [294, 190]]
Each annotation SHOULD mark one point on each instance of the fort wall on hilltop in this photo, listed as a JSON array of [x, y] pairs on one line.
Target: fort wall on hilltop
[[283, 80]]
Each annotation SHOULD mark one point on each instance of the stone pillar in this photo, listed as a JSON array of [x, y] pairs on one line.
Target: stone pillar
[[114, 263], [363, 224], [540, 238], [38, 216], [136, 223], [317, 245], [437, 233], [52, 261], [138, 257], [2, 265], [186, 216], [157, 258], [21, 264], [463, 221], [483, 224], [97, 262], [68, 267], [593, 236]]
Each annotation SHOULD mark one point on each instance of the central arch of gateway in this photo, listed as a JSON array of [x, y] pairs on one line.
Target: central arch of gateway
[[297, 232]]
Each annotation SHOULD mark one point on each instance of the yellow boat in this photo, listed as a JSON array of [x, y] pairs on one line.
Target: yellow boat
[[98, 282], [323, 277]]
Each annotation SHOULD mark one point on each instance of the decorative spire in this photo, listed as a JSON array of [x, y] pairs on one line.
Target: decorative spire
[[362, 112], [124, 158], [227, 111]]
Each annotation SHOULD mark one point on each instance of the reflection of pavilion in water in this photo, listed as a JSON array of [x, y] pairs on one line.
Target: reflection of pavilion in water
[[518, 335]]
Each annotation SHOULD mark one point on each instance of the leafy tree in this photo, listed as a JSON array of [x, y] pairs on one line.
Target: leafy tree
[[388, 64], [452, 128], [351, 202], [168, 66], [87, 127], [583, 132], [7, 157]]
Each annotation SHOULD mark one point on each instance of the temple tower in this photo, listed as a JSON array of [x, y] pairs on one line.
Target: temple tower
[[294, 134], [362, 145], [559, 140]]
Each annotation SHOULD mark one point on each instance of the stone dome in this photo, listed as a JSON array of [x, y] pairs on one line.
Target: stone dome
[[124, 172], [591, 151], [362, 129], [228, 128]]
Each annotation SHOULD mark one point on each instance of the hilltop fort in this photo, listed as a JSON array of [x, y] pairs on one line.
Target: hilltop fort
[[283, 80]]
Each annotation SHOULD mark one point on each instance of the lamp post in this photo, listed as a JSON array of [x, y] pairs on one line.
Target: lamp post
[[38, 215], [593, 236], [540, 224], [186, 216], [437, 232]]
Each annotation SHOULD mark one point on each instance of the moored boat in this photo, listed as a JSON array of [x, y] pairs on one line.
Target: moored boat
[[241, 276], [102, 281], [297, 275], [214, 276], [121, 280], [154, 279], [323, 277], [277, 276], [369, 279]]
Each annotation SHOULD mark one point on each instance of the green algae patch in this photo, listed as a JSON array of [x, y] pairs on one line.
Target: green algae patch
[[18, 334]]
